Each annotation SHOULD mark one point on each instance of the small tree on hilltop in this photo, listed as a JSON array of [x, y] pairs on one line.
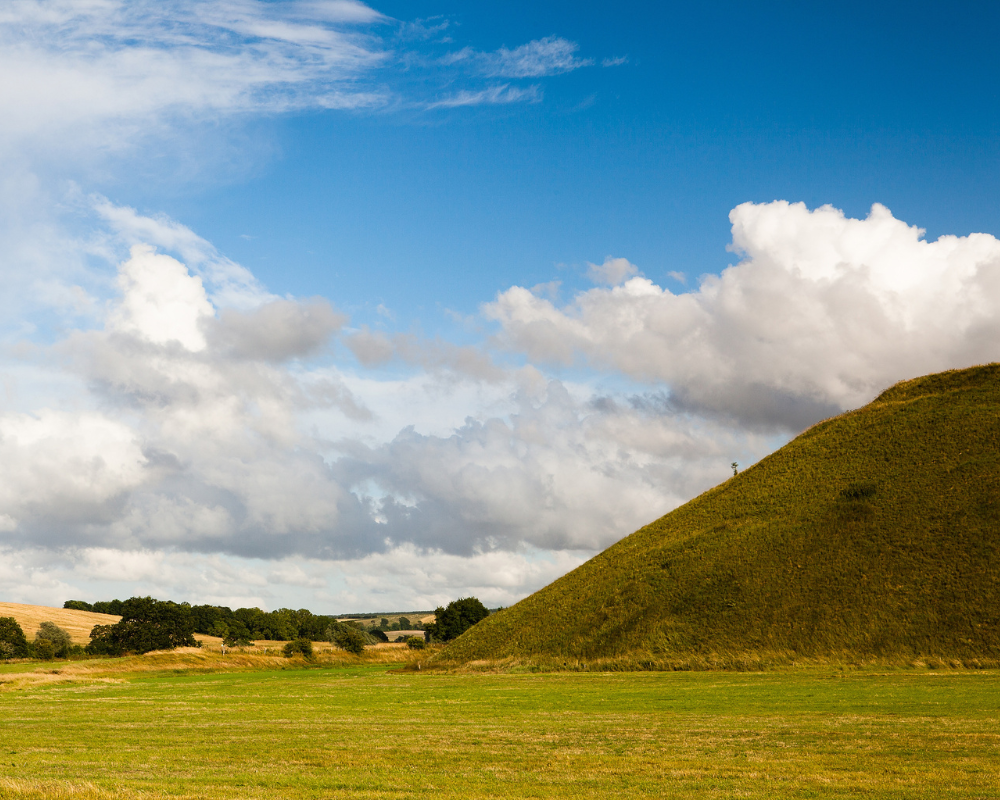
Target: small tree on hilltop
[[454, 620], [13, 643]]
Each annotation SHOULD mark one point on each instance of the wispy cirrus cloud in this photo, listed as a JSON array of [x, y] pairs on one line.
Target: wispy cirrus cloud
[[552, 55], [82, 62], [115, 73], [494, 95]]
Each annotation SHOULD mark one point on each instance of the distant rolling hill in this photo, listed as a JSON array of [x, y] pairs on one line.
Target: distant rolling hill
[[875, 534], [78, 624]]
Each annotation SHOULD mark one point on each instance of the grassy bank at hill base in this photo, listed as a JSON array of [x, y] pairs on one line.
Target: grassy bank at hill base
[[728, 662], [365, 731], [190, 660]]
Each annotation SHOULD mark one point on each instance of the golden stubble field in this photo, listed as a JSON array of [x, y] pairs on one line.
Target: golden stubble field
[[77, 623]]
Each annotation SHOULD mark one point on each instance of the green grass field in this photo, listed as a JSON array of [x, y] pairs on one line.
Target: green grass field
[[367, 732]]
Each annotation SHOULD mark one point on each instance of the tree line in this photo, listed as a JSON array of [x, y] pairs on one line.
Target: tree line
[[245, 625], [148, 624], [240, 627]]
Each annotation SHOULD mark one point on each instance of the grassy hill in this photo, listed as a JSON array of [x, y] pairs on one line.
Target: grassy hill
[[875, 534]]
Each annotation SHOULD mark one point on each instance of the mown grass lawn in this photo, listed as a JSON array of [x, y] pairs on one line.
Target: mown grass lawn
[[369, 733]]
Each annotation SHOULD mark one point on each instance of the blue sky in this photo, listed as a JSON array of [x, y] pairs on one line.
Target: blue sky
[[361, 307], [716, 105]]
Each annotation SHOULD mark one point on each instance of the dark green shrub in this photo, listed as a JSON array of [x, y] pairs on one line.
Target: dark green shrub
[[859, 491], [13, 643], [415, 643], [42, 649], [78, 605], [59, 638], [299, 646]]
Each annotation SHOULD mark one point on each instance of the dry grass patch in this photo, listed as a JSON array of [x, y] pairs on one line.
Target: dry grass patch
[[193, 660]]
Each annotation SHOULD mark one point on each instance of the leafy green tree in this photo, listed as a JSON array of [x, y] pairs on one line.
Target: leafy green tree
[[237, 635], [405, 624], [78, 605], [455, 619], [59, 638], [204, 618], [384, 624], [146, 625], [278, 625], [415, 642], [13, 643], [346, 637], [108, 607], [104, 641]]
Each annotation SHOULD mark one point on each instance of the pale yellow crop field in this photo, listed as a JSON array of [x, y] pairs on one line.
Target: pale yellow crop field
[[77, 623]]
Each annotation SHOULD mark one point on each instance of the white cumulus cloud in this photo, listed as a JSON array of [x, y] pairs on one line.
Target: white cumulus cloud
[[203, 427], [613, 271], [821, 312], [161, 302]]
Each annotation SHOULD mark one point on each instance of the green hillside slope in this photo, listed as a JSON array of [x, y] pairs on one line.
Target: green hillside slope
[[873, 534]]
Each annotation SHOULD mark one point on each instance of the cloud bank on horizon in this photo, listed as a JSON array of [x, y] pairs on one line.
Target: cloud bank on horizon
[[183, 426], [169, 423]]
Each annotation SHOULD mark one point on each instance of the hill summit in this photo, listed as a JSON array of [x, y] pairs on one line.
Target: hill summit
[[874, 534]]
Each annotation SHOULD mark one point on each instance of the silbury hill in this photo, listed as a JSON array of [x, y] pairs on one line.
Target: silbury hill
[[874, 535]]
